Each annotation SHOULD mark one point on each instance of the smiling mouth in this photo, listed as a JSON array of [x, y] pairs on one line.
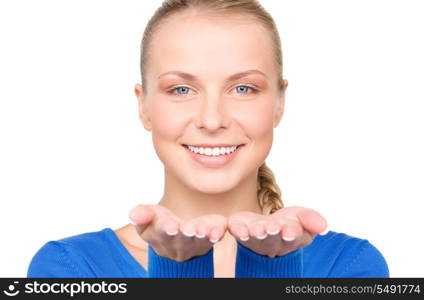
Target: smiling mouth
[[213, 151]]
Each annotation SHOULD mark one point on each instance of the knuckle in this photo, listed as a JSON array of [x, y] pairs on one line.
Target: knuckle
[[184, 225]]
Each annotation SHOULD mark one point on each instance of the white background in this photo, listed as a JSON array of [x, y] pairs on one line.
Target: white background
[[74, 157]]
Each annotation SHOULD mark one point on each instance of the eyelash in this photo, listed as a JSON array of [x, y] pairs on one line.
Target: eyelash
[[254, 90]]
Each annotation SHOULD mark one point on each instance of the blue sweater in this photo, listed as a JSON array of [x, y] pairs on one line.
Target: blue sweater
[[101, 254]]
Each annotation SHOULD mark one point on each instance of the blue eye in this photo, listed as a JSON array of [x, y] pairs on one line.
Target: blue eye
[[244, 87], [181, 88], [185, 89]]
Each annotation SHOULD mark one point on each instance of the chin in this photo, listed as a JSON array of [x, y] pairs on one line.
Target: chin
[[213, 189], [214, 185]]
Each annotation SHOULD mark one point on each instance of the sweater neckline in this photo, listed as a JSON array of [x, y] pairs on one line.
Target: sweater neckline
[[124, 251]]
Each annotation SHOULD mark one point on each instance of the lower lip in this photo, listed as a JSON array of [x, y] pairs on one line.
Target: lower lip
[[213, 161]]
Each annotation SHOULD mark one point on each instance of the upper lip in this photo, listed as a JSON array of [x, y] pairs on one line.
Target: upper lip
[[213, 145]]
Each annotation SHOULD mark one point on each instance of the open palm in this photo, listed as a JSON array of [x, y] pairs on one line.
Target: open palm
[[284, 231]]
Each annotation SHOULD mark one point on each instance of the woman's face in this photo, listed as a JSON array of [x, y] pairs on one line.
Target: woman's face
[[211, 107]]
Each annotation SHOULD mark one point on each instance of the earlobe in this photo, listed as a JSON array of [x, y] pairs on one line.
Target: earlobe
[[278, 116], [142, 108]]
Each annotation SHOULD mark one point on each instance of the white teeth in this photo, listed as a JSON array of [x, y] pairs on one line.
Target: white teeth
[[213, 151]]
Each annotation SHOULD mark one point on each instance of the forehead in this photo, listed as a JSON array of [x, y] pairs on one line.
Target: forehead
[[210, 43]]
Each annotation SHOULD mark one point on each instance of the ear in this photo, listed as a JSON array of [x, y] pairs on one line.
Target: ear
[[280, 104], [143, 111]]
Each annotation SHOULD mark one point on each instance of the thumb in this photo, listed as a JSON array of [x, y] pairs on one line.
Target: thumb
[[141, 216], [313, 221]]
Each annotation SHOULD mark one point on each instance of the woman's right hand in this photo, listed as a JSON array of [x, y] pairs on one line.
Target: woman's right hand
[[174, 238]]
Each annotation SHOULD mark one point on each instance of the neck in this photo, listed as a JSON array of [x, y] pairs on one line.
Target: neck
[[187, 203]]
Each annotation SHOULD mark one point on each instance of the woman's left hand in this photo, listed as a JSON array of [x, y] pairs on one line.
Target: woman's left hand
[[284, 231]]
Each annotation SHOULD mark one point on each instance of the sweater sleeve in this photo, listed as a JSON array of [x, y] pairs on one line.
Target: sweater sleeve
[[367, 262], [55, 260], [252, 264], [196, 267]]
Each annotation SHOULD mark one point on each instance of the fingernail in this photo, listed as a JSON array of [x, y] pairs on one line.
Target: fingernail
[[324, 232], [273, 232], [261, 237], [200, 236], [214, 241], [189, 234], [133, 223], [288, 239], [246, 238], [171, 233]]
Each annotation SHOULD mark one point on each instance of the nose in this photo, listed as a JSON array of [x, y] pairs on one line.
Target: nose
[[212, 114]]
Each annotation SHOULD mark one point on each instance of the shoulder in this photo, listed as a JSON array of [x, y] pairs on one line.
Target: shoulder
[[68, 257], [342, 255]]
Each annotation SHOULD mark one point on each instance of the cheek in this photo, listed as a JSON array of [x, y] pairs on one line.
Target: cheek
[[167, 126], [167, 121], [257, 120], [258, 125]]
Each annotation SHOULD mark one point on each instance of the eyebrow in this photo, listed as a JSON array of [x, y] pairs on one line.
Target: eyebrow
[[233, 77]]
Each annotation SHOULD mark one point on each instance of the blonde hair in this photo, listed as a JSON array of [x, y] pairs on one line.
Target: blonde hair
[[268, 192]]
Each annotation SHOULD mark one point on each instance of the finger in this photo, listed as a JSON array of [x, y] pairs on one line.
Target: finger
[[238, 228], [167, 226], [201, 230], [273, 227], [291, 230], [273, 240], [257, 229], [212, 226], [239, 231], [312, 221], [141, 216], [188, 229], [216, 234], [215, 220]]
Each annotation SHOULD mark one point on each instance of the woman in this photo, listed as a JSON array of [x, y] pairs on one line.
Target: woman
[[212, 92]]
